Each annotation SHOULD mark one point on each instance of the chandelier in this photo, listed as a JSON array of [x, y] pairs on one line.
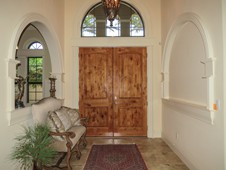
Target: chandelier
[[111, 8]]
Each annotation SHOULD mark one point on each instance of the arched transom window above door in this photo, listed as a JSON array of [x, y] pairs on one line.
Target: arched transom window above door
[[128, 23]]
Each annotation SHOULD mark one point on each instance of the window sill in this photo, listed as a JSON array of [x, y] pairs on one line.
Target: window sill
[[20, 115]]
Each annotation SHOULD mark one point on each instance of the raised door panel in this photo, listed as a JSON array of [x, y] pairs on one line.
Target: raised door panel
[[130, 99], [95, 90]]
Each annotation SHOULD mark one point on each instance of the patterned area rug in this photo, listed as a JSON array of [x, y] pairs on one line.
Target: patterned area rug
[[115, 157]]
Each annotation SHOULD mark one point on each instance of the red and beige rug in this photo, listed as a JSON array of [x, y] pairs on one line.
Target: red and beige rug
[[115, 157]]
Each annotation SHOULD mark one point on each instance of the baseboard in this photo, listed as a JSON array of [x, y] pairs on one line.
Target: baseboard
[[179, 154]]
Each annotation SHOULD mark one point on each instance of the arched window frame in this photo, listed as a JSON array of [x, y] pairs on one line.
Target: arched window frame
[[35, 46], [106, 25]]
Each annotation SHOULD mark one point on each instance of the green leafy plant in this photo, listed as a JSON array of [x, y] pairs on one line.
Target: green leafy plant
[[32, 149]]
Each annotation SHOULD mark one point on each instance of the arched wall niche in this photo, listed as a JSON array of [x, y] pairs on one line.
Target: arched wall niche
[[203, 111], [44, 27]]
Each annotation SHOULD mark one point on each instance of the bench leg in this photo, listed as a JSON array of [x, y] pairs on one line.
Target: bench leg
[[60, 160], [84, 141], [77, 150], [68, 160]]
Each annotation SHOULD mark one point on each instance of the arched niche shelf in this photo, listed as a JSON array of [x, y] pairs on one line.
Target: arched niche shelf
[[41, 23], [204, 112]]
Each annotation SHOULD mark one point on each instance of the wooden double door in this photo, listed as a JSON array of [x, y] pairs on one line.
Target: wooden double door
[[112, 90]]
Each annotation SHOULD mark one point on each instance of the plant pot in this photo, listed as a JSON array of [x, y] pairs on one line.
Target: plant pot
[[37, 166]]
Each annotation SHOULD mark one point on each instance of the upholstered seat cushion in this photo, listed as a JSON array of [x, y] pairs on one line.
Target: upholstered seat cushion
[[60, 146]]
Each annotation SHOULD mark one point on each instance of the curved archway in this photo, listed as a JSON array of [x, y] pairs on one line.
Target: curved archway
[[55, 52]]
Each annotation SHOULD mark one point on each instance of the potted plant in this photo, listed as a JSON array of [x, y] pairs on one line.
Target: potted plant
[[32, 149]]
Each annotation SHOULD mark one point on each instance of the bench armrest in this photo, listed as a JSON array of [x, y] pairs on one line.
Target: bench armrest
[[64, 134], [67, 136]]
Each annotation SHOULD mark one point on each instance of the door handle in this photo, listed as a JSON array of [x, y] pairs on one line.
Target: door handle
[[115, 100]]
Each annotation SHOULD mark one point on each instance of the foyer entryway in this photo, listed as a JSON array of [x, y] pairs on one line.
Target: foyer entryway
[[113, 90]]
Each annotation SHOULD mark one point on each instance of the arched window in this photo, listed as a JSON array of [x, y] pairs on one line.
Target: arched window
[[34, 72], [127, 24], [35, 46]]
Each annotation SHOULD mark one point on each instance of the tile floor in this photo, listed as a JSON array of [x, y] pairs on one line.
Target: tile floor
[[156, 153]]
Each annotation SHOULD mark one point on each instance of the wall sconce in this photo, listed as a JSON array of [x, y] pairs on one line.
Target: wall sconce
[[111, 8]]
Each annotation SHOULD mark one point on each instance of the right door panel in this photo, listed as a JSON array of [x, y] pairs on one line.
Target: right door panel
[[129, 91]]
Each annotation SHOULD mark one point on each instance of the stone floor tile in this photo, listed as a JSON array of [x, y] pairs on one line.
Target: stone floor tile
[[155, 152]]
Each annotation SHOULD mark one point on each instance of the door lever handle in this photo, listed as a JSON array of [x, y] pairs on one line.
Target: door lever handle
[[115, 99]]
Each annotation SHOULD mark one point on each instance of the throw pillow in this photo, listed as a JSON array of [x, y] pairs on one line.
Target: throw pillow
[[73, 114], [64, 117], [55, 124]]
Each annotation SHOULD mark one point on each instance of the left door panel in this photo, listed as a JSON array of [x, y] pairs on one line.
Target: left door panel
[[95, 88]]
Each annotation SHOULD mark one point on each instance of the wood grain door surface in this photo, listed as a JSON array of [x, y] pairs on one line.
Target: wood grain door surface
[[112, 90]]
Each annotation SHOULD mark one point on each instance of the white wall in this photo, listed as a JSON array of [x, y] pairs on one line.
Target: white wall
[[187, 121], [224, 69], [14, 13]]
